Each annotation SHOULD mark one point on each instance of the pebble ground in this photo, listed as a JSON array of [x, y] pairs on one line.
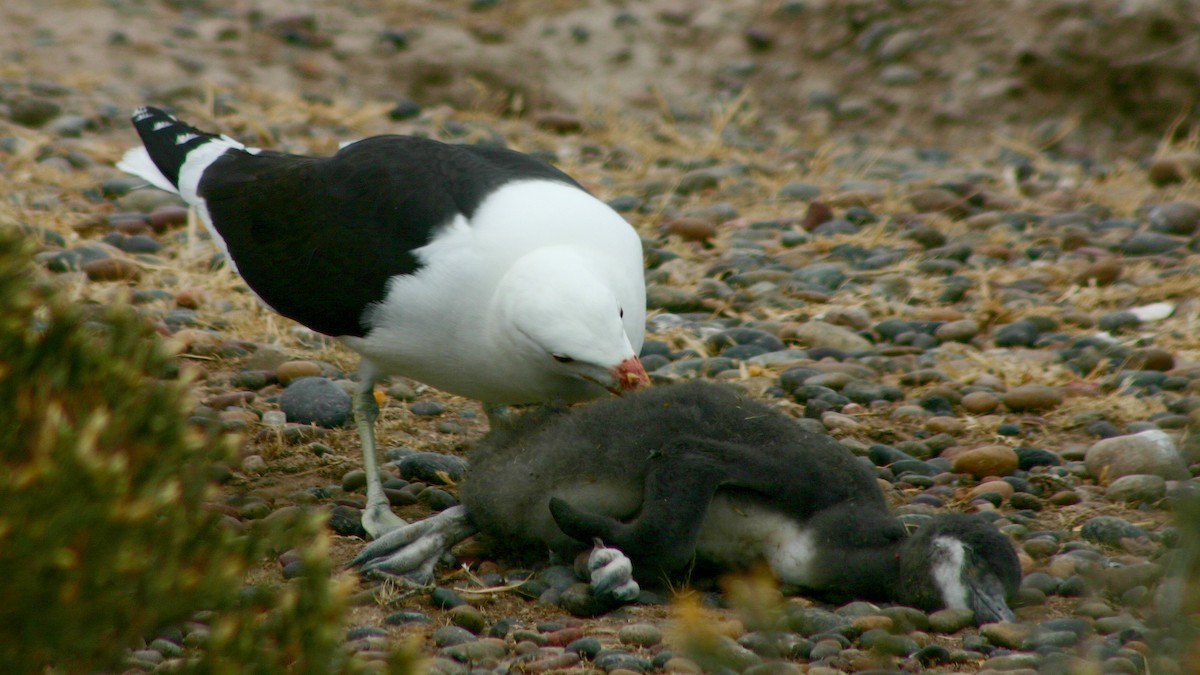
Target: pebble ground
[[995, 326]]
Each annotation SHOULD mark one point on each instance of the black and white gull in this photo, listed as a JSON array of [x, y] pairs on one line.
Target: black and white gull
[[480, 271]]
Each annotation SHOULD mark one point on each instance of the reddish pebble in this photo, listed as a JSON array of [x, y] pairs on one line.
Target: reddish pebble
[[291, 370], [196, 337], [167, 216], [1000, 487], [1152, 358], [818, 213], [942, 424], [1032, 397], [980, 402], [223, 401], [112, 269], [986, 460], [191, 298], [131, 226], [557, 662], [997, 251], [563, 636], [942, 314], [691, 229], [1174, 168], [560, 122], [938, 200], [487, 567], [238, 415], [1103, 272]]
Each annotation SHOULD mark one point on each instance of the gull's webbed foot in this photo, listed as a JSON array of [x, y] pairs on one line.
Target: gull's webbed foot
[[413, 550]]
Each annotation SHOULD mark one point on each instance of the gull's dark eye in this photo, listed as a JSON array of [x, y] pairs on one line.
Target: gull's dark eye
[[562, 359], [621, 311]]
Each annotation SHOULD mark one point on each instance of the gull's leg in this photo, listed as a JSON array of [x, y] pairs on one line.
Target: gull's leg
[[377, 517]]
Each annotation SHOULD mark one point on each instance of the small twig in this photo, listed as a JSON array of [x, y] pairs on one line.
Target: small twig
[[484, 588], [490, 590], [1146, 58]]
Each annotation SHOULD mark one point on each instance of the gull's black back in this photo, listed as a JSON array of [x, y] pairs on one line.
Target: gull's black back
[[318, 238]]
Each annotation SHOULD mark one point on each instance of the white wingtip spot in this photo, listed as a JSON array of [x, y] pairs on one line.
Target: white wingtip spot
[[141, 114], [161, 124], [138, 163], [185, 137]]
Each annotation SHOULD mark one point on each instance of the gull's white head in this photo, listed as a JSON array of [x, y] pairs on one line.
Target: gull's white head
[[572, 327]]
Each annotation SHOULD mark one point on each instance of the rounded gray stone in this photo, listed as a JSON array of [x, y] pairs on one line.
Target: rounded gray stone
[[1110, 530], [477, 650], [1005, 633], [1149, 452], [880, 640], [1137, 488], [316, 400], [798, 191], [957, 331], [640, 634], [432, 467], [821, 334], [950, 620]]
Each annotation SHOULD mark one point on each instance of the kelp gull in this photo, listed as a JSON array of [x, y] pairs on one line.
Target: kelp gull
[[477, 270]]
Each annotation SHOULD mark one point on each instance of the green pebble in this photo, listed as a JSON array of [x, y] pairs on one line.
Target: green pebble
[[354, 480], [1041, 547], [1005, 634], [445, 598], [468, 617], [640, 634], [1115, 624], [530, 635], [1008, 662], [950, 620], [254, 511], [883, 642], [167, 648], [478, 650], [906, 619]]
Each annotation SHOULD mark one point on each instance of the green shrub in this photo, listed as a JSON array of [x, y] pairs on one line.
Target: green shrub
[[1177, 610], [105, 539], [293, 629]]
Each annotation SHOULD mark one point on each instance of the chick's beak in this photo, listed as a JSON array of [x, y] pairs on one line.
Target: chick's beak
[[630, 375]]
